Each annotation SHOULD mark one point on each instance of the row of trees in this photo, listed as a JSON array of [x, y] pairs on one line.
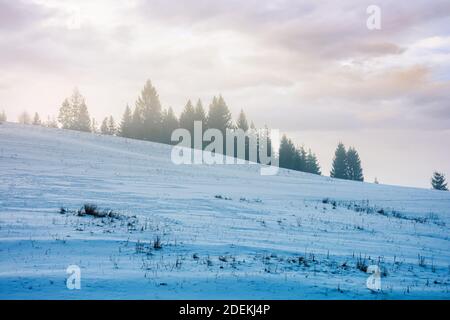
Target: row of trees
[[149, 121], [292, 157]]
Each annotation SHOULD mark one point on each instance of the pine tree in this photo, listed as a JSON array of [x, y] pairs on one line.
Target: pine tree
[[300, 159], [125, 126], [187, 117], [150, 107], [312, 164], [354, 169], [169, 124], [339, 168], [83, 120], [24, 118], [288, 153], [36, 119], [219, 116], [137, 123], [104, 129], [112, 126], [3, 117], [241, 122], [438, 181], [66, 115], [94, 125], [74, 114], [200, 114], [51, 122]]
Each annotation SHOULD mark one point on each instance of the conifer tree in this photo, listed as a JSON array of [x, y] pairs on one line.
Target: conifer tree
[[241, 122], [169, 124], [137, 123], [125, 126], [312, 164], [187, 118], [200, 114], [104, 129], [438, 181], [219, 116], [112, 126], [3, 117], [24, 118], [288, 153], [339, 168], [83, 120], [354, 169], [150, 107], [36, 119], [94, 125], [74, 114]]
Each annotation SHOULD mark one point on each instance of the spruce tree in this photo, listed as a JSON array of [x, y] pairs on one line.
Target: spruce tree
[[3, 117], [104, 129], [93, 125], [137, 124], [354, 169], [36, 119], [339, 168], [219, 116], [288, 154], [24, 118], [125, 126], [187, 118], [438, 181], [312, 164], [200, 114], [112, 126], [83, 120], [169, 124], [150, 106], [241, 122], [74, 114], [66, 115]]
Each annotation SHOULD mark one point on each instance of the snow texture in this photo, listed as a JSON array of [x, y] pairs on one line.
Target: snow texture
[[226, 232]]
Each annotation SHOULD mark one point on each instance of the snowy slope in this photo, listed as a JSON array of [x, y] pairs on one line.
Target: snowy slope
[[226, 231]]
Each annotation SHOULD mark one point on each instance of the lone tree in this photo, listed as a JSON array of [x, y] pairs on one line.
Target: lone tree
[[340, 166], [438, 181]]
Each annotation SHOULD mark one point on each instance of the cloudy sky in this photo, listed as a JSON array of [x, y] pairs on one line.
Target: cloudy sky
[[309, 68]]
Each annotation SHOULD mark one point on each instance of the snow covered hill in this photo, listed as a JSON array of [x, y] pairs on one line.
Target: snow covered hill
[[225, 231]]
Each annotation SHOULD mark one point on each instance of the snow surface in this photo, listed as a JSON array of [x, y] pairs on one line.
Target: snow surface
[[227, 232]]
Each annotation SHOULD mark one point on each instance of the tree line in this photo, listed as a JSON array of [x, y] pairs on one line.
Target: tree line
[[149, 121]]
